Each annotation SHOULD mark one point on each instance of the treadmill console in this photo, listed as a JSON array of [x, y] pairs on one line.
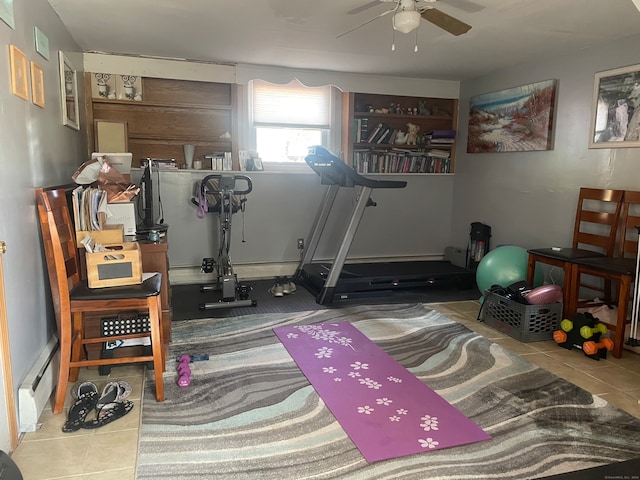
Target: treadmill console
[[333, 171]]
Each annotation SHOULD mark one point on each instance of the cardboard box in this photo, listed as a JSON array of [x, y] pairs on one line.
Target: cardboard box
[[109, 234], [122, 265], [122, 214]]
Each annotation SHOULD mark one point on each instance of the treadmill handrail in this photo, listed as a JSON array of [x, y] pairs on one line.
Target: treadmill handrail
[[332, 170]]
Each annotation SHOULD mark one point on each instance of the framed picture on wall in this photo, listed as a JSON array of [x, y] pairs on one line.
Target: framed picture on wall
[[6, 13], [518, 119], [37, 85], [615, 113], [69, 92], [19, 73]]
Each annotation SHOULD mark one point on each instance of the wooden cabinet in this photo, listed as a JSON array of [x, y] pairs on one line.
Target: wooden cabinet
[[371, 143], [172, 113]]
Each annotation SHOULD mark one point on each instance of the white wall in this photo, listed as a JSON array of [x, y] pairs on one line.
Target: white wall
[[530, 198], [35, 150]]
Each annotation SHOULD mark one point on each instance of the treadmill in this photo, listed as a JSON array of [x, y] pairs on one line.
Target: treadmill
[[340, 281]]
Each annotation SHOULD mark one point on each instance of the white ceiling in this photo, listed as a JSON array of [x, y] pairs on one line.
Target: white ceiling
[[302, 33]]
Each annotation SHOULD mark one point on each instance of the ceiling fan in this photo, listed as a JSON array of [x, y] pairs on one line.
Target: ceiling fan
[[407, 15]]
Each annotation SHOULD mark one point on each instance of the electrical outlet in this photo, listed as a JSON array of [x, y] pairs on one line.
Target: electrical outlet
[[300, 243]]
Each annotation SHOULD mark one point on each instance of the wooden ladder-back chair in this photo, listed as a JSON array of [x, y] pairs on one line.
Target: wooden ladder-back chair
[[619, 270], [72, 298], [594, 235]]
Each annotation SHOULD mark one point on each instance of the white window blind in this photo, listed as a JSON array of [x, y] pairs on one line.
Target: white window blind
[[292, 105]]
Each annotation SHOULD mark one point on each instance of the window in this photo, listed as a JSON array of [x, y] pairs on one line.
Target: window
[[287, 119]]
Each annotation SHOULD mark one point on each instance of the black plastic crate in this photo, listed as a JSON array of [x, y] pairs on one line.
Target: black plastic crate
[[527, 323]]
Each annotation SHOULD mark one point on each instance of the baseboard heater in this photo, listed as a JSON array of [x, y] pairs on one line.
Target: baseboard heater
[[36, 389]]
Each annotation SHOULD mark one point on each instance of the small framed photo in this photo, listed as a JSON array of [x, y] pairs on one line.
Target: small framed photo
[[615, 113], [42, 42], [69, 92], [19, 74], [6, 13], [37, 85]]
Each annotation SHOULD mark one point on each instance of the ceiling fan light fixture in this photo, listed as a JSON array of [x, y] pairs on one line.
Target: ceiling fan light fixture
[[406, 21]]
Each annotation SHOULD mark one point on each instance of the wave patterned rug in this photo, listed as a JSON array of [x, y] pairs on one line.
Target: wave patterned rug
[[250, 413]]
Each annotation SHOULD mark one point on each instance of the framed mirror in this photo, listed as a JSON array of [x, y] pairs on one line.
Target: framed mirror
[[69, 93]]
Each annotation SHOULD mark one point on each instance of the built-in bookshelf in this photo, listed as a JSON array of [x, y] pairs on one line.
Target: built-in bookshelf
[[375, 133]]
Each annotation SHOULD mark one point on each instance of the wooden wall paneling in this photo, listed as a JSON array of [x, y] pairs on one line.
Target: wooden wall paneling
[[171, 114], [187, 124], [183, 92], [89, 114]]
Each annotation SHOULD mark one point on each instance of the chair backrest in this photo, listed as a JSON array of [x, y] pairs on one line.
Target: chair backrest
[[58, 235], [629, 219], [597, 218]]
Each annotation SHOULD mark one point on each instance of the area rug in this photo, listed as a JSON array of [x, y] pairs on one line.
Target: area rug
[[250, 413], [386, 410]]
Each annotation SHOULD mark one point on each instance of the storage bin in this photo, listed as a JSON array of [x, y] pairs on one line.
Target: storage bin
[[109, 234], [527, 323], [121, 265]]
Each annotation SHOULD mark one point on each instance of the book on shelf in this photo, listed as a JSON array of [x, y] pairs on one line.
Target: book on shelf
[[373, 133], [434, 152], [361, 127], [442, 133]]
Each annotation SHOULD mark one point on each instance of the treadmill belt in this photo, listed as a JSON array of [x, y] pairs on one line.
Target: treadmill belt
[[360, 277]]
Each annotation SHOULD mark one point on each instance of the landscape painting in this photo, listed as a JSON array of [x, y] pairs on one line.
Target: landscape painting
[[518, 119]]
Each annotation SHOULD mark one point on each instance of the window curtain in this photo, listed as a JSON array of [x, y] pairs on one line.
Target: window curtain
[[292, 105]]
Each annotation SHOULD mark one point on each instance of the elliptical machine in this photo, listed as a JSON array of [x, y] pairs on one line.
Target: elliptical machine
[[217, 194]]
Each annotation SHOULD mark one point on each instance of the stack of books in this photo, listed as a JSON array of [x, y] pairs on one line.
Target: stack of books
[[441, 138]]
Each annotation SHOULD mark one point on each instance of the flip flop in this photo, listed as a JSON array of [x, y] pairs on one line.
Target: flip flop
[[109, 413], [113, 392], [86, 396]]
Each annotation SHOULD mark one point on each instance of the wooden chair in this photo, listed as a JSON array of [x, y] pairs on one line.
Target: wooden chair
[[619, 270], [594, 235], [72, 298]]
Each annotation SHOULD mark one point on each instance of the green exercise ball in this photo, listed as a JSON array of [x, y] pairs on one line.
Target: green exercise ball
[[503, 266]]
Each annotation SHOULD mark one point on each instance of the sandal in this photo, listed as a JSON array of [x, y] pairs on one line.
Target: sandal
[[113, 392], [109, 413], [86, 396]]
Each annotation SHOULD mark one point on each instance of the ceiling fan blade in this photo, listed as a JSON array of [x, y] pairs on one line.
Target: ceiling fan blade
[[367, 22], [364, 7], [636, 3], [446, 22]]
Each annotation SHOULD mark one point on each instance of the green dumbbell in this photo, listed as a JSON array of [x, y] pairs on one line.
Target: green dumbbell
[[588, 332], [566, 325]]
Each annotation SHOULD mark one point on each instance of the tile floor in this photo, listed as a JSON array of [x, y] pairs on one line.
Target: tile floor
[[110, 452]]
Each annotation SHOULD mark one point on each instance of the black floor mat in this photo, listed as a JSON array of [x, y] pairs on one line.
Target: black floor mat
[[186, 299]]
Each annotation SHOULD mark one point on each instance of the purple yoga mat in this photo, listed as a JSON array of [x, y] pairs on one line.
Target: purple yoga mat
[[386, 411]]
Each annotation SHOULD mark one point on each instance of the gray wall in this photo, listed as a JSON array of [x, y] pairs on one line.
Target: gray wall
[[35, 150], [414, 221], [530, 198]]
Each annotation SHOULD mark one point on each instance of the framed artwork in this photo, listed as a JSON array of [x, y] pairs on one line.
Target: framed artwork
[[615, 113], [69, 92], [19, 74], [518, 119], [110, 136], [37, 85], [6, 13], [42, 42]]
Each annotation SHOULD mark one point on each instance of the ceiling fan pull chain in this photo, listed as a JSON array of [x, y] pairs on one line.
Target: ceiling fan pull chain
[[415, 48], [393, 40]]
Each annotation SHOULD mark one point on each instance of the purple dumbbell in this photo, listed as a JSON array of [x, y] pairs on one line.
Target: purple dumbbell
[[184, 372]]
